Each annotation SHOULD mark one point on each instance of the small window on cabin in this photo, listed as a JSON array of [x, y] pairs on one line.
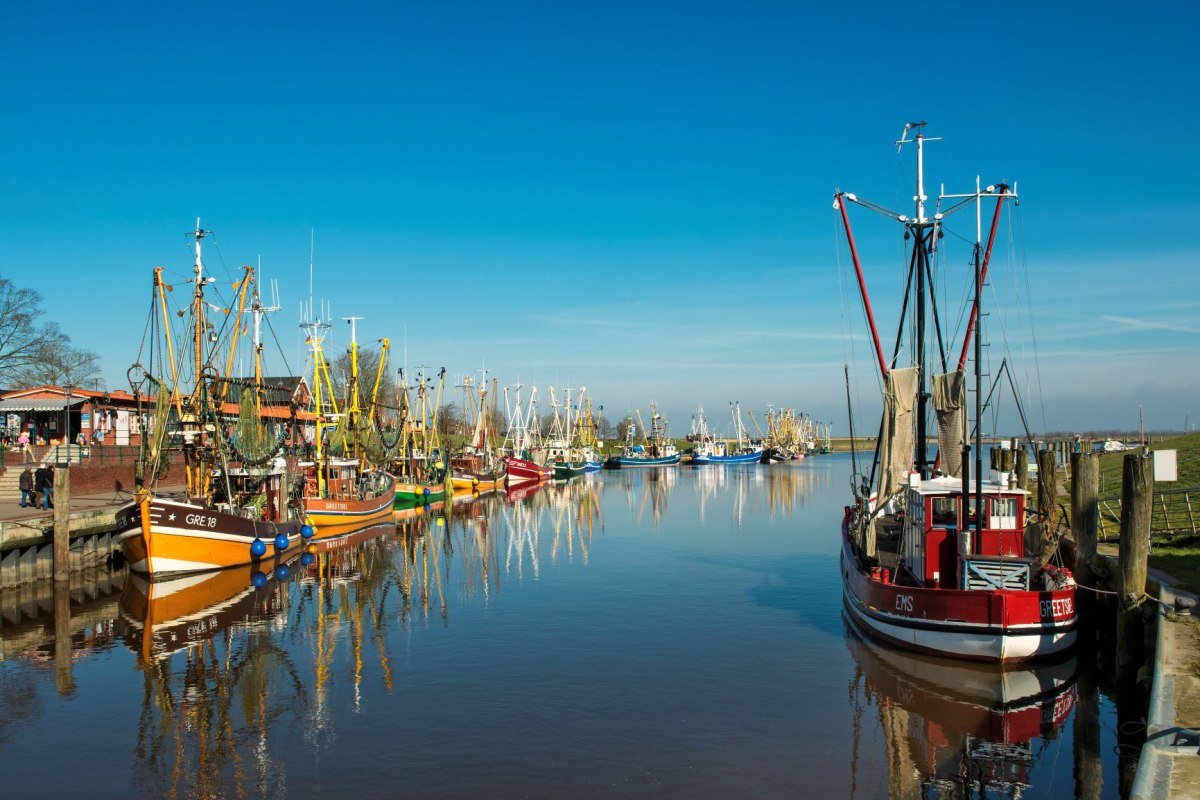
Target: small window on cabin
[[945, 511], [1004, 513]]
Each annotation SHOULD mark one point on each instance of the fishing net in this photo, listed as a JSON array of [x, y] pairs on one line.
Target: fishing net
[[950, 403]]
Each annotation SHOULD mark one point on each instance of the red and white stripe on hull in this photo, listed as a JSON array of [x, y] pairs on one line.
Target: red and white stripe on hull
[[520, 470], [1003, 625]]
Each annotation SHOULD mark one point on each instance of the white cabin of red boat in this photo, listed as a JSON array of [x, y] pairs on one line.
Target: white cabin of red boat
[[934, 543]]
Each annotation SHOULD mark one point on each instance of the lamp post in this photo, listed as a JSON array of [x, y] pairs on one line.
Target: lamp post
[[67, 415]]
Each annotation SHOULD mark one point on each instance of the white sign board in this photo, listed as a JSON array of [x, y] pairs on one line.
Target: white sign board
[[1165, 466]]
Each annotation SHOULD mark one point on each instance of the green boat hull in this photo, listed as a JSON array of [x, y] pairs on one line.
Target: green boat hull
[[407, 498], [569, 469]]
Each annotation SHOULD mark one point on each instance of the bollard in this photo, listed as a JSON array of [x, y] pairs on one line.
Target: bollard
[[1085, 513], [1038, 534], [1137, 494], [1022, 468], [62, 524]]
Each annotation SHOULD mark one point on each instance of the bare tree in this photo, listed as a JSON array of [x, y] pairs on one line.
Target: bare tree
[[368, 367], [452, 420], [34, 351]]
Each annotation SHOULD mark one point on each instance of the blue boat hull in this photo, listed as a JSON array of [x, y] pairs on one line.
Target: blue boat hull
[[741, 458], [593, 466]]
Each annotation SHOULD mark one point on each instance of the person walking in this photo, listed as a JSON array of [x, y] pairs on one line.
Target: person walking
[[43, 481], [26, 450], [26, 484]]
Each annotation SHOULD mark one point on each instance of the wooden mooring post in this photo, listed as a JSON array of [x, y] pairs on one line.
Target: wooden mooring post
[[1037, 535], [1085, 513], [62, 524], [1022, 468], [1137, 497], [64, 680]]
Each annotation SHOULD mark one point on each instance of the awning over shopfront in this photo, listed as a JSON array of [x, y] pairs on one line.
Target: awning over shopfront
[[41, 404]]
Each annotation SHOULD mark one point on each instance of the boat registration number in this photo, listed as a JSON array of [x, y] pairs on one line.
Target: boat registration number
[[1058, 608], [201, 520]]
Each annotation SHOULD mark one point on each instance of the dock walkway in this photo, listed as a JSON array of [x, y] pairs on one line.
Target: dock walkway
[[27, 536], [1169, 767]]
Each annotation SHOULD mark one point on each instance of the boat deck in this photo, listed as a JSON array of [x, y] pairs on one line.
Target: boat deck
[[887, 546]]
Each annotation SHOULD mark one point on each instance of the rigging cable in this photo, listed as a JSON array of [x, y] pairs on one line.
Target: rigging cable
[[1029, 296]]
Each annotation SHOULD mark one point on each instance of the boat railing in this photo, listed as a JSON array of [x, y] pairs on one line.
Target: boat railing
[[1173, 514]]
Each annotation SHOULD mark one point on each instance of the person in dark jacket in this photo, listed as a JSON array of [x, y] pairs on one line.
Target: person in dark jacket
[[43, 481], [26, 484]]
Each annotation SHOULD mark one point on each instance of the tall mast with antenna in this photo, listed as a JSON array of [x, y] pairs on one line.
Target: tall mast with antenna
[[352, 405], [922, 229], [198, 303]]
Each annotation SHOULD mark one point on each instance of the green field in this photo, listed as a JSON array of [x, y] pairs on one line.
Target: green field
[[1174, 549], [1188, 447]]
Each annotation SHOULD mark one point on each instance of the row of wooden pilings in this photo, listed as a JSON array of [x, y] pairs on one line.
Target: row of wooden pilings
[[1133, 553], [1105, 660]]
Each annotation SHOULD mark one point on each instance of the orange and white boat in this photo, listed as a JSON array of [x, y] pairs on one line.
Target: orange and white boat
[[347, 502], [228, 515], [340, 494], [163, 536]]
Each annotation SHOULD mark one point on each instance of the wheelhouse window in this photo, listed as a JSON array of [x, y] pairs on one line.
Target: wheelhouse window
[[945, 512], [1004, 513]]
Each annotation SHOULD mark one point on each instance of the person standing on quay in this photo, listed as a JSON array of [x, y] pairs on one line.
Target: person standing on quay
[[43, 481], [26, 450], [26, 484]]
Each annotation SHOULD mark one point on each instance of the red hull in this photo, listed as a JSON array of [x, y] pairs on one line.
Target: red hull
[[972, 624], [521, 470]]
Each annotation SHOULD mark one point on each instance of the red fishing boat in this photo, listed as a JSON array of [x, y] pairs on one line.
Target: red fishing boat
[[930, 561], [522, 438]]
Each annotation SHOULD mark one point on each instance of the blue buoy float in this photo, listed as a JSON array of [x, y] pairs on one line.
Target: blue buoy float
[[426, 490], [281, 542], [307, 559], [307, 531], [281, 573], [257, 548], [258, 580]]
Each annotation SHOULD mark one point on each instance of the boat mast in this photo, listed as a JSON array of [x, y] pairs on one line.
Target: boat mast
[[316, 330], [979, 356], [982, 257], [352, 406], [198, 305], [922, 229]]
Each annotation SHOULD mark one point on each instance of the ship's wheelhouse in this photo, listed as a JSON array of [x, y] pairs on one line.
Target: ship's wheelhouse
[[943, 546]]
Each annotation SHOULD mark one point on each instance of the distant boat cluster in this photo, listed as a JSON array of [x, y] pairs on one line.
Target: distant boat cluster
[[271, 465]]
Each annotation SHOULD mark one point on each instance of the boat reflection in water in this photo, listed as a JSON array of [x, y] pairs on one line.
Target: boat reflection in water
[[236, 663], [954, 729], [208, 714]]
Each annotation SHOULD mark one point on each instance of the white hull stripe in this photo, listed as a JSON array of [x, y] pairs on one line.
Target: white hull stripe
[[989, 646]]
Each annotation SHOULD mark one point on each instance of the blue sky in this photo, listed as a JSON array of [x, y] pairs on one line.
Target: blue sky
[[631, 196]]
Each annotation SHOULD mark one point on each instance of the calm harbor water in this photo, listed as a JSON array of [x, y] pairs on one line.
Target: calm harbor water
[[640, 634]]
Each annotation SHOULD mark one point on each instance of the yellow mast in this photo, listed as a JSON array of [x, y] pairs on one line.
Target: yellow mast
[[352, 406], [162, 289], [241, 286], [384, 344], [195, 470]]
